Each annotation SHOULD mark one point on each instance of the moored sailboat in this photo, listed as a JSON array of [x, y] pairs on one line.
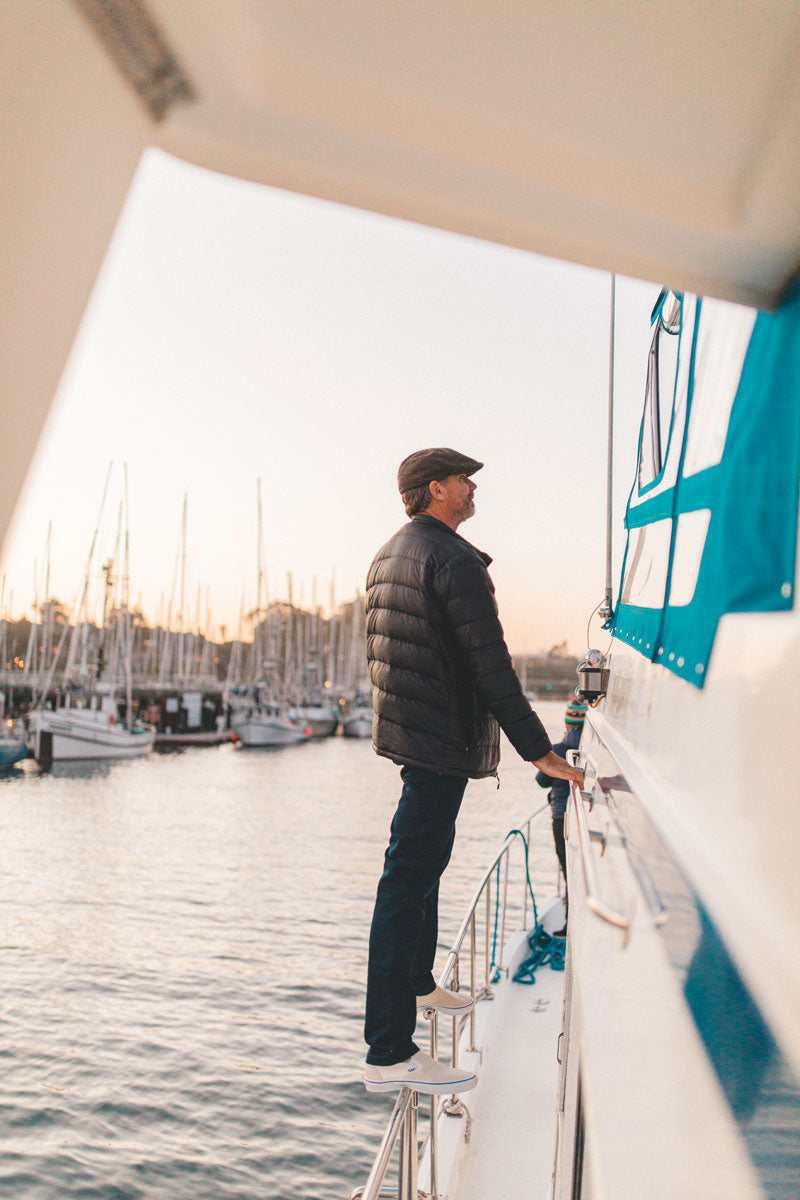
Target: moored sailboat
[[318, 716], [258, 721], [357, 721], [85, 722], [71, 732]]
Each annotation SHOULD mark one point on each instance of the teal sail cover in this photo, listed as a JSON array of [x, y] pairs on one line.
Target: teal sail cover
[[712, 523]]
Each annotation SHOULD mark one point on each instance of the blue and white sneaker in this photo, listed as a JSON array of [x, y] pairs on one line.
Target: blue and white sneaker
[[450, 1004], [421, 1073]]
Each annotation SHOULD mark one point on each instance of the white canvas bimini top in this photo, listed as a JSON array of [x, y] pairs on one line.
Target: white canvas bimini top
[[651, 139]]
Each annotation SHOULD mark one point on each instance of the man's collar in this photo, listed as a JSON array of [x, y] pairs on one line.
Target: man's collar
[[427, 519]]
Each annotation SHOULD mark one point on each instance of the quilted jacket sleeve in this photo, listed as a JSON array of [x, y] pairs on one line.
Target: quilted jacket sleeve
[[465, 590]]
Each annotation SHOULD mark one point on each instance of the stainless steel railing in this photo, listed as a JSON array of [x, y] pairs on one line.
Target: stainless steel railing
[[403, 1124], [585, 836]]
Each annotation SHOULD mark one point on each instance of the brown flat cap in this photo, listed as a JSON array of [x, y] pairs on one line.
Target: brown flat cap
[[424, 465]]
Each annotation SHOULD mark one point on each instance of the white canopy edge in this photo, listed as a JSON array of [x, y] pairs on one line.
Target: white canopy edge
[[657, 141]]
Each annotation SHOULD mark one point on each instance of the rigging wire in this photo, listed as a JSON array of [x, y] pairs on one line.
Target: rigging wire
[[607, 609]]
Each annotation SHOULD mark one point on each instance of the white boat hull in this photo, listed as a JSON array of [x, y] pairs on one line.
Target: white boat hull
[[66, 736], [358, 725], [268, 731], [321, 726], [318, 719]]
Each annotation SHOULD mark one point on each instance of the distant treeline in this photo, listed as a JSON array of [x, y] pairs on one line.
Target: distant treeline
[[26, 646], [23, 638]]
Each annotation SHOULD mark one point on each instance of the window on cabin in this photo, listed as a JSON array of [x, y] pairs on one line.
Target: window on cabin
[[722, 341], [690, 541], [662, 368], [646, 568]]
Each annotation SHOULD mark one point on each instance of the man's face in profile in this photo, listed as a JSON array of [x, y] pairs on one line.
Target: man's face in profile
[[458, 497]]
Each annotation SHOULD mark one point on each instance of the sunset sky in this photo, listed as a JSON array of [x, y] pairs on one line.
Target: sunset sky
[[239, 333]]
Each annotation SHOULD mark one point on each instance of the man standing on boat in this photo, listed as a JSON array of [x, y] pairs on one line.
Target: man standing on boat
[[443, 687]]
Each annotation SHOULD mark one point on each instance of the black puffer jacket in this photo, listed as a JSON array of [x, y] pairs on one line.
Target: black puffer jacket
[[441, 672]]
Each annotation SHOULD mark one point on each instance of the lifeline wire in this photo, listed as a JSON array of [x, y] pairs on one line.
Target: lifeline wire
[[589, 622], [544, 947]]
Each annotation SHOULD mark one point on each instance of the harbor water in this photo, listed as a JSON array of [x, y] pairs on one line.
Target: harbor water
[[183, 953]]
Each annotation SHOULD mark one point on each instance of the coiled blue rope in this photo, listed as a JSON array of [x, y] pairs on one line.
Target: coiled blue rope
[[545, 949]]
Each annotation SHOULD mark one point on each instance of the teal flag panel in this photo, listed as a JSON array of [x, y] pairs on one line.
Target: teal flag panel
[[748, 560]]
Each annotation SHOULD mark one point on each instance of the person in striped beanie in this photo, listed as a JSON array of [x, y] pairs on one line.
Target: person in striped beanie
[[574, 717]]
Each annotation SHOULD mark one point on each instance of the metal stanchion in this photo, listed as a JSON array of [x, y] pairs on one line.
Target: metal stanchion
[[525, 880], [408, 1187], [502, 940], [472, 981], [434, 1132], [487, 989], [454, 1046], [372, 1189]]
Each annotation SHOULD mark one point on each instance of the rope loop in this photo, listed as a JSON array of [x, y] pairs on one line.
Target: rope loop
[[495, 974], [547, 950]]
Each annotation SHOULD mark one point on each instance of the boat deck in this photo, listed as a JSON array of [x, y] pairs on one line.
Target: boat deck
[[513, 1108]]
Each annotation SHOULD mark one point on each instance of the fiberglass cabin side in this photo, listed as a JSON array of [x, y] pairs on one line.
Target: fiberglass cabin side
[[681, 1042]]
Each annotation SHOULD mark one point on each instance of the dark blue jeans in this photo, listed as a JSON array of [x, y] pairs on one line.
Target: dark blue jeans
[[405, 924]]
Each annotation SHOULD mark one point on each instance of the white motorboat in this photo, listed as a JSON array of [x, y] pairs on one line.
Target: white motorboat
[[357, 721], [659, 142], [69, 733], [321, 719], [267, 725]]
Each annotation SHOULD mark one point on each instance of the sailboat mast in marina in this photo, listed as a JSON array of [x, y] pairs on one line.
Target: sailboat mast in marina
[[85, 722]]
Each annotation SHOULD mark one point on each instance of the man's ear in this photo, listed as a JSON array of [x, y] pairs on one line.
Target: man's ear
[[435, 489]]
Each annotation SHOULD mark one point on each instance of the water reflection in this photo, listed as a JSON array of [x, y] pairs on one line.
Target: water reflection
[[183, 942], [12, 772], [84, 768]]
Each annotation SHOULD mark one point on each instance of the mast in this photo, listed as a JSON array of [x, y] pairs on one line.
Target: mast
[[258, 628], [47, 614], [331, 672], [112, 618], [165, 663], [31, 654], [288, 636], [182, 616], [606, 609], [126, 597], [260, 597], [108, 583], [81, 603]]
